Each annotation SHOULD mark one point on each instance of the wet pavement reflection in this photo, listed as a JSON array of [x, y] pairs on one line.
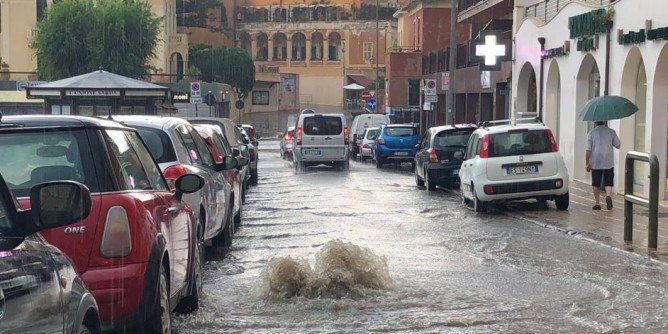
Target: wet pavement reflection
[[326, 251]]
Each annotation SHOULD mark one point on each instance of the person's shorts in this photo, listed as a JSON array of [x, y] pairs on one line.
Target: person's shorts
[[602, 177]]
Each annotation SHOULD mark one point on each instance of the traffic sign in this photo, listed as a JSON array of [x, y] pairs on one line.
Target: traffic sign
[[195, 89], [366, 95], [430, 87], [371, 104], [239, 104], [431, 98], [210, 99]]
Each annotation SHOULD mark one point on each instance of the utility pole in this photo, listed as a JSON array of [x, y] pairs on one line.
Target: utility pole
[[450, 101]]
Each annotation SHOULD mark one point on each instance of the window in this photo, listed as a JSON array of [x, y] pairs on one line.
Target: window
[[323, 125], [158, 144], [452, 138], [368, 51], [261, 98], [205, 154], [125, 162], [471, 149], [150, 167], [43, 156], [222, 144], [189, 143], [519, 143], [5, 218], [41, 9], [401, 131]]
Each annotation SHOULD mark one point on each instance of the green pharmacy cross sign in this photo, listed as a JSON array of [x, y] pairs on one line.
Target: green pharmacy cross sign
[[491, 50]]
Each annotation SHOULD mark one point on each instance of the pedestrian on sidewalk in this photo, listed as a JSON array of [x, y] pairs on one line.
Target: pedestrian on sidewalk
[[600, 161]]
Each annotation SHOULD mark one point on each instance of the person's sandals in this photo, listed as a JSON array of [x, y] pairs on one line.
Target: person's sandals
[[608, 202], [596, 207]]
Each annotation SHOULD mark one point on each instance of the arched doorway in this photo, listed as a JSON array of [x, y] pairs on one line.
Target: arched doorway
[[280, 46], [298, 46], [527, 95], [334, 46], [659, 123], [316, 46], [633, 129], [553, 99], [245, 42], [262, 43], [588, 85], [176, 69]]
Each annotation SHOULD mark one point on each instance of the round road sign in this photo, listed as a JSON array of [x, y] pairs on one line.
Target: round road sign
[[239, 104]]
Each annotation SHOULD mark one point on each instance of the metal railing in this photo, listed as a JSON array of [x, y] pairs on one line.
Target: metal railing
[[548, 9], [652, 203]]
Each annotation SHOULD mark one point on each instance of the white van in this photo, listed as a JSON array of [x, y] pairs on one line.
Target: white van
[[360, 123], [321, 139]]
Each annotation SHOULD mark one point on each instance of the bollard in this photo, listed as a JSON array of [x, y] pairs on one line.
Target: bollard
[[652, 203]]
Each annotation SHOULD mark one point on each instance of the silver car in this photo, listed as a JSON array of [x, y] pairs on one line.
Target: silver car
[[179, 149], [40, 291]]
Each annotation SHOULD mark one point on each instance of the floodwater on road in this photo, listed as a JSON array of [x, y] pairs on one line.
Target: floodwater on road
[[328, 251]]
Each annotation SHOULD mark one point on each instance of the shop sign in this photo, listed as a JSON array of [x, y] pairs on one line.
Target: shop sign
[[587, 44], [642, 35], [557, 52], [584, 28]]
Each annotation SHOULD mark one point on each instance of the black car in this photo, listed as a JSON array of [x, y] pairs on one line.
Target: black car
[[40, 291], [440, 154]]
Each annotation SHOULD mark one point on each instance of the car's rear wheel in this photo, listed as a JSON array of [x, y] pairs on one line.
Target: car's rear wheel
[[237, 217], [253, 176], [561, 202], [478, 205], [418, 181], [427, 182], [379, 162], [464, 200], [83, 329], [161, 320]]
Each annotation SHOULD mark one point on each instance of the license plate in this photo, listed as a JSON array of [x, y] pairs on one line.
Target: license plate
[[522, 170], [311, 152], [400, 153], [455, 172]]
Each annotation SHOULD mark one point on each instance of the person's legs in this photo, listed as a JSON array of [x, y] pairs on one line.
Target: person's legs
[[596, 175], [608, 180]]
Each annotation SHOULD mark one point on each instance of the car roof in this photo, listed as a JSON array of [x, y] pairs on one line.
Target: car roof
[[40, 121], [399, 125], [152, 121], [505, 127], [452, 127]]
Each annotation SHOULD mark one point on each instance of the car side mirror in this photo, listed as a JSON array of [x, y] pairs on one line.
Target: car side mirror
[[58, 203], [417, 146], [188, 183], [241, 161], [243, 147], [459, 155], [235, 152], [230, 162]]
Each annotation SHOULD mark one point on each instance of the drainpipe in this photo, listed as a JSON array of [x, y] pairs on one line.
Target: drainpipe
[[608, 27], [541, 40]]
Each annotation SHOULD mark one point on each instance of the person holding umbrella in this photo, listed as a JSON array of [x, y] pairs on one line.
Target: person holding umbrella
[[600, 161]]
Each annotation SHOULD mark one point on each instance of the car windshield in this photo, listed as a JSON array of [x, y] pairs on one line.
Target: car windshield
[[400, 131], [323, 125], [450, 138], [519, 143], [39, 157]]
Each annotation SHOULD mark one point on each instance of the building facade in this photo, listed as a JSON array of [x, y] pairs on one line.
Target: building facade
[[18, 20], [574, 70]]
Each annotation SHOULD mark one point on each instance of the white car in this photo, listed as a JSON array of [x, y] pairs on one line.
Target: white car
[[366, 141], [179, 149], [513, 160]]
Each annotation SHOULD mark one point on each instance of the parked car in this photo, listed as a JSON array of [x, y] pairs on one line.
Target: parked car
[[321, 139], [395, 143], [287, 143], [179, 149], [440, 154], [40, 291], [137, 250], [366, 141], [220, 149], [250, 130], [234, 138], [361, 122], [252, 152], [513, 160]]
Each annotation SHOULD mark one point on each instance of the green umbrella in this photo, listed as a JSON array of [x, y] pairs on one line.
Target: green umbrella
[[603, 108]]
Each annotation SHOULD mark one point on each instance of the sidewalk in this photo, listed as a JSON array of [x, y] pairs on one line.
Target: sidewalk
[[603, 226]]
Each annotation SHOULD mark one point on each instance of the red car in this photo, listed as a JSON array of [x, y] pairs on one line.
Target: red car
[[137, 250], [219, 148]]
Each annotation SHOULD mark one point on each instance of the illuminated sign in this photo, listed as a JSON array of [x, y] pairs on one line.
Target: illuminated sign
[[181, 97], [491, 51]]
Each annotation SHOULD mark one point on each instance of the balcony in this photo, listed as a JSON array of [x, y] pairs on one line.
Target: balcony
[[546, 10], [470, 8], [397, 48]]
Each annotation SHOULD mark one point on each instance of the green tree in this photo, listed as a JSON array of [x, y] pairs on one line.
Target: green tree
[[79, 36], [231, 66]]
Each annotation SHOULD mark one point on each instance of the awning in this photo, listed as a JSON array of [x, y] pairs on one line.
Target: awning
[[360, 79]]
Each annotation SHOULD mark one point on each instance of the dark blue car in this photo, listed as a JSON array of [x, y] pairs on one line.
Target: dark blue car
[[395, 143]]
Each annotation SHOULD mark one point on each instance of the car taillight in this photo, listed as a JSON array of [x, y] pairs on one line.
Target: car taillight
[[345, 136], [251, 133], [116, 239], [488, 189], [366, 146], [299, 136], [381, 141], [432, 155], [288, 137], [172, 173], [553, 142], [484, 147]]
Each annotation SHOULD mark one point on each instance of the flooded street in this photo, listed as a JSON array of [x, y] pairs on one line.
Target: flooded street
[[326, 251]]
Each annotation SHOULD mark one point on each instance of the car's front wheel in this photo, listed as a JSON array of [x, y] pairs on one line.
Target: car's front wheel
[[418, 181], [561, 202]]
